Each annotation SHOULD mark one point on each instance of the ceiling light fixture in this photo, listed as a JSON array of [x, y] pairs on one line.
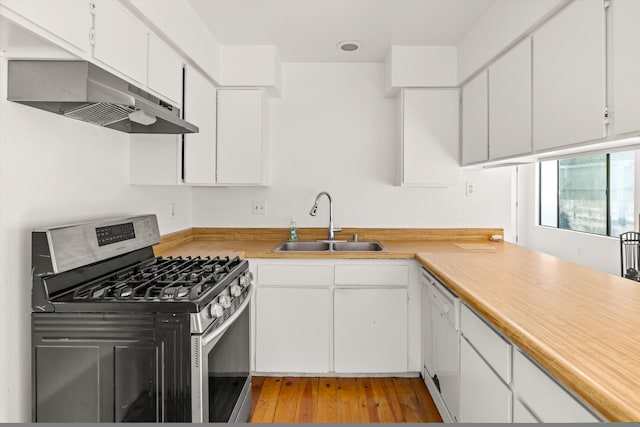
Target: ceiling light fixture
[[349, 45]]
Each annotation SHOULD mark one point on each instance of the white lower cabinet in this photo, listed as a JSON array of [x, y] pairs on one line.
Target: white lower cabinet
[[497, 381], [327, 316], [547, 400], [370, 330], [293, 330], [521, 414], [483, 396]]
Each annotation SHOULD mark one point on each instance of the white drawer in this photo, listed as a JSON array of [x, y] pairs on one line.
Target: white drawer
[[493, 348], [397, 275], [294, 275], [548, 401]]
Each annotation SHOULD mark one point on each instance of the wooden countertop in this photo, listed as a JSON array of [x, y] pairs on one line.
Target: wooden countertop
[[582, 325]]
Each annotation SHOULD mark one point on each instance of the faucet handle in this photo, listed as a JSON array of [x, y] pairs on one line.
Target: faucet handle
[[355, 237], [337, 229]]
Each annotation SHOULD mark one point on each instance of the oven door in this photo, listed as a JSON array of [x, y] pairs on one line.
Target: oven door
[[221, 381]]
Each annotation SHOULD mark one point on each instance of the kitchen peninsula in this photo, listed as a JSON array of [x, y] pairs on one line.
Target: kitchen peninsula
[[573, 321]]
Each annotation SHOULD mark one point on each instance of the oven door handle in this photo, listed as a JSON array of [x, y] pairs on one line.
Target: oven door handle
[[210, 336]]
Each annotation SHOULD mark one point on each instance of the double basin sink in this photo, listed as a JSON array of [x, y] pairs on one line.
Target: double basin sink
[[329, 246]]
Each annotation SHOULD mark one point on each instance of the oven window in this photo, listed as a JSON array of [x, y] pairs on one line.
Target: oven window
[[229, 369]]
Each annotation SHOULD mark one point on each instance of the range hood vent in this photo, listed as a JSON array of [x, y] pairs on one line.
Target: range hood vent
[[83, 91]]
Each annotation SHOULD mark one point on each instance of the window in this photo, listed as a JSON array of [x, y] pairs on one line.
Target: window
[[593, 194]]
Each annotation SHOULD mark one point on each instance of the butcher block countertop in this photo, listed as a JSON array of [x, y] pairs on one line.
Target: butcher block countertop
[[581, 324]]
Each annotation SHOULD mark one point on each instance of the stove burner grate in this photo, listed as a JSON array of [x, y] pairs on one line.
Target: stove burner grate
[[161, 279]]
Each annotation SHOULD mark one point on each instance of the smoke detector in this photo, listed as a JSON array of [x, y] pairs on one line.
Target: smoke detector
[[349, 45]]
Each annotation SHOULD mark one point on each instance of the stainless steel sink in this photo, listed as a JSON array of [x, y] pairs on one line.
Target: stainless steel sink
[[303, 247], [327, 246], [357, 247]]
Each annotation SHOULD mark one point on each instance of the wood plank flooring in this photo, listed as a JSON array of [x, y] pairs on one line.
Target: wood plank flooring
[[341, 400]]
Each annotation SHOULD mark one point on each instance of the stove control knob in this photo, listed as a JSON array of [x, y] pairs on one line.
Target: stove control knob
[[246, 279], [216, 310], [235, 290], [225, 301]]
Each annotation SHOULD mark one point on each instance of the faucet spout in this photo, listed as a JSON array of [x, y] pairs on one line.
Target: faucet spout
[[314, 210]]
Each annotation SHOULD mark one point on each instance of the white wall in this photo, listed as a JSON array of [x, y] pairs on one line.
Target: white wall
[[599, 252], [55, 170], [334, 130]]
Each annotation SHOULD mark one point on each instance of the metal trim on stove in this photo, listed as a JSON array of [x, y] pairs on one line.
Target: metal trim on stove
[[201, 345]]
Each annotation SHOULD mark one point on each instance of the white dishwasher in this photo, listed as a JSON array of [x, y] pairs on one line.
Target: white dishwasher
[[445, 351]]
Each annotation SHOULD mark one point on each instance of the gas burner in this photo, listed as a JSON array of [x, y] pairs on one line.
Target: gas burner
[[162, 279]]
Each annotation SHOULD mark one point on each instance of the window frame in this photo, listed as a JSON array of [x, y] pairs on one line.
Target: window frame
[[557, 194]]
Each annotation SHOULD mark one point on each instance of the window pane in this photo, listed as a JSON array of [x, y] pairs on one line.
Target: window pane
[[549, 193], [621, 177], [583, 194]]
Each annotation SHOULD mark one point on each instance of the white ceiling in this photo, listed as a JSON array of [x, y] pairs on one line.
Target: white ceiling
[[308, 30]]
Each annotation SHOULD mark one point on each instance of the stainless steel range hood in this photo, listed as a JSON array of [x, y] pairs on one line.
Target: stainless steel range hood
[[83, 91]]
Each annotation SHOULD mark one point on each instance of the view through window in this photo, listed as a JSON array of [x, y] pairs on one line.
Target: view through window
[[593, 194]]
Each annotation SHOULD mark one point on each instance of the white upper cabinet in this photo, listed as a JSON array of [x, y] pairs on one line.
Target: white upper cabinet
[[475, 120], [200, 148], [429, 126], [241, 137], [120, 40], [569, 77], [230, 148], [510, 103], [70, 20], [625, 58], [165, 70]]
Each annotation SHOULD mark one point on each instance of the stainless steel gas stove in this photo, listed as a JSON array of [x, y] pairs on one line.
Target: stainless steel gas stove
[[120, 335]]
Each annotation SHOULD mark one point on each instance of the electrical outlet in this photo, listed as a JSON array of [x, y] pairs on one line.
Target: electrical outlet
[[258, 207], [470, 188], [172, 210]]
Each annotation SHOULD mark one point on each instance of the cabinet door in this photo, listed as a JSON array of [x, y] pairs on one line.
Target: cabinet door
[[430, 128], [165, 70], [200, 148], [510, 103], [569, 77], [293, 330], [68, 19], [483, 397], [625, 59], [521, 414], [241, 136], [546, 398], [120, 40], [370, 330], [58, 399], [475, 120]]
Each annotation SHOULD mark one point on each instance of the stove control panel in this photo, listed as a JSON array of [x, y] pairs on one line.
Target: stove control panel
[[115, 233]]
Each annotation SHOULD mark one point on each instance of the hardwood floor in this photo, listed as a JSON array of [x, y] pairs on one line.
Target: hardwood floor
[[341, 400]]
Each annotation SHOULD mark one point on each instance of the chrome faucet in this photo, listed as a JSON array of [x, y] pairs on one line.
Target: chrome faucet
[[314, 210]]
